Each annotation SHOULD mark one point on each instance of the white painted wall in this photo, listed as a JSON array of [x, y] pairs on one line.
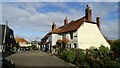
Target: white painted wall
[[55, 37], [89, 35], [25, 45], [49, 38], [68, 36], [75, 37]]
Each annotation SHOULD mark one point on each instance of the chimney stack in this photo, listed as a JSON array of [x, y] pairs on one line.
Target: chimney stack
[[66, 21], [53, 26], [98, 21], [88, 13]]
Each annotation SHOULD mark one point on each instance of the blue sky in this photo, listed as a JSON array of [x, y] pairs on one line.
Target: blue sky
[[34, 19]]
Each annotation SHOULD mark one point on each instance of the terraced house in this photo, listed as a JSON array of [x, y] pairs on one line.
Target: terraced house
[[82, 33]]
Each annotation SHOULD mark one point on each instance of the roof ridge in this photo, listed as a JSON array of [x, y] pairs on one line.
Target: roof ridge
[[71, 26]]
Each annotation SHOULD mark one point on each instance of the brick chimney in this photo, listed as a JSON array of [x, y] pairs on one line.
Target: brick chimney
[[98, 21], [66, 21], [88, 13], [53, 26]]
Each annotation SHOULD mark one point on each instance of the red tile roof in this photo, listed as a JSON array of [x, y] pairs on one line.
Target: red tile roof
[[20, 40], [73, 25]]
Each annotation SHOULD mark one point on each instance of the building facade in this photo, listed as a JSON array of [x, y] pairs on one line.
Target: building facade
[[22, 42], [82, 33], [6, 38]]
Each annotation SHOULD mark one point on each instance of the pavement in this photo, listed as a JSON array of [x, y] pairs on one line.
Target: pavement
[[36, 58]]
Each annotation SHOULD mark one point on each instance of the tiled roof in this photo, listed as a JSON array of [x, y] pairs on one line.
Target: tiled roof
[[73, 25], [20, 39]]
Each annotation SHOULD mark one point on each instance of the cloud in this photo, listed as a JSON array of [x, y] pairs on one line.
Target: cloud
[[27, 21], [19, 18], [110, 29], [60, 0], [0, 12]]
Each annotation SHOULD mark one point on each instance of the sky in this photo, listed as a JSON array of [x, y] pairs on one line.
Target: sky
[[32, 20], [60, 0]]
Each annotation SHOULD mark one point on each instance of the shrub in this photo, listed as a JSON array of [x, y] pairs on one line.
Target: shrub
[[14, 49], [71, 56], [33, 46], [117, 62], [92, 48], [63, 55], [81, 58], [97, 58], [103, 51], [103, 54], [115, 46]]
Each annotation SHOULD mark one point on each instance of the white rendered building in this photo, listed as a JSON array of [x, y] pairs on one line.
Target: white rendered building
[[82, 33]]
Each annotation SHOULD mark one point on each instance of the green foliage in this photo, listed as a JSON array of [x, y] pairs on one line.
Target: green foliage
[[71, 56], [101, 56], [62, 43], [63, 55], [81, 58], [103, 51], [33, 46], [92, 48], [96, 58], [29, 47], [14, 49], [41, 47], [117, 62], [116, 48]]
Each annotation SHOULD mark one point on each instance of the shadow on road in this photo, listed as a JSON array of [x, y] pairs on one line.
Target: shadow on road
[[45, 67], [7, 64], [6, 54], [34, 59]]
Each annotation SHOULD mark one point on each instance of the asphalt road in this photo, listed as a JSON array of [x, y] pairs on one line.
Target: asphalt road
[[35, 58]]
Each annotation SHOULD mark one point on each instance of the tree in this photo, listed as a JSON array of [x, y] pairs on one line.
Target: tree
[[115, 47], [103, 51], [17, 46], [40, 44], [33, 46]]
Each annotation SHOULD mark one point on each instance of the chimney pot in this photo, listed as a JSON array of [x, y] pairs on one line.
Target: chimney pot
[[65, 21], [98, 21], [53, 26], [88, 13]]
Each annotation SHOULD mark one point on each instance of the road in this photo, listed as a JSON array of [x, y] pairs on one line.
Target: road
[[35, 58]]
